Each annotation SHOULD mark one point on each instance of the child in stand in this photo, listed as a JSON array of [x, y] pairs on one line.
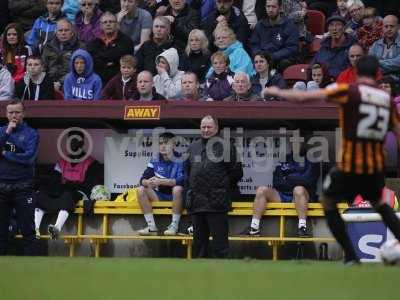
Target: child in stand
[[219, 84], [82, 83], [123, 85], [319, 76]]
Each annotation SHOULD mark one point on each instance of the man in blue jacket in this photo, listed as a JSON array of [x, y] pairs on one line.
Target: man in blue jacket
[[292, 182], [162, 181], [277, 35], [19, 147]]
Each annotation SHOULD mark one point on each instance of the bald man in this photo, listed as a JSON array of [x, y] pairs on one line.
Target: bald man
[[387, 49], [145, 87], [349, 75]]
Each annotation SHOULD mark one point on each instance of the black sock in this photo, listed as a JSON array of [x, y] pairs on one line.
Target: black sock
[[390, 219], [338, 229]]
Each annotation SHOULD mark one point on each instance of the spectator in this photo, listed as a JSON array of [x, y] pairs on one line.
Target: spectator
[[19, 148], [387, 49], [14, 51], [219, 84], [277, 35], [372, 29], [25, 12], [45, 26], [71, 8], [225, 40], [36, 84], [160, 40], [145, 86], [242, 89], [249, 11], [266, 75], [296, 10], [81, 83], [87, 21], [211, 184], [325, 6], [293, 181], [387, 84], [190, 87], [206, 7], [72, 179], [183, 20], [123, 85], [356, 11], [6, 83], [57, 53], [108, 49], [226, 15], [319, 79], [135, 22], [342, 10], [162, 180], [196, 58], [168, 80], [349, 75], [335, 47]]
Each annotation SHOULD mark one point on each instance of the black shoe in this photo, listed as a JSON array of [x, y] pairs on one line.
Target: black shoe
[[303, 232], [53, 231], [352, 262], [250, 231]]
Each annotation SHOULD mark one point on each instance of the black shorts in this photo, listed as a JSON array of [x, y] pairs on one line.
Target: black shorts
[[344, 187]]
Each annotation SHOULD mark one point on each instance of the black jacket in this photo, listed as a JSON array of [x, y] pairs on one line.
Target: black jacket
[[211, 184], [27, 90], [147, 53], [237, 22], [106, 57], [187, 20], [197, 63]]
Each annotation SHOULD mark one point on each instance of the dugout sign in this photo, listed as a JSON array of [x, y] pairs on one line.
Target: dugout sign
[[148, 112]]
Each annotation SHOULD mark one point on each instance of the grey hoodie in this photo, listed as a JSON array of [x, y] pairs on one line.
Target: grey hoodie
[[169, 84], [6, 84]]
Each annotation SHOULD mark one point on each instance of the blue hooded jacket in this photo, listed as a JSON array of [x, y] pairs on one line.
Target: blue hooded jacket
[[239, 60], [82, 87], [71, 9], [43, 31]]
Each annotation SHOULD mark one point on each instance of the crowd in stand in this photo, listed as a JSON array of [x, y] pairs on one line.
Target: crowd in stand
[[93, 49]]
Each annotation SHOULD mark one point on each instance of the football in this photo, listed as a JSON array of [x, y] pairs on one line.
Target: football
[[390, 252]]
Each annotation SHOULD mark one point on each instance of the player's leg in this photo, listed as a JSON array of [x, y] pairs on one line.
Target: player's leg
[[335, 185], [389, 217], [146, 196], [263, 195], [176, 210], [301, 199]]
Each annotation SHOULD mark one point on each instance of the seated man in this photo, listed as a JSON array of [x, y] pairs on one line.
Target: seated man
[[190, 87], [387, 49], [145, 87], [6, 83], [162, 181], [37, 85], [242, 89], [72, 179], [292, 182]]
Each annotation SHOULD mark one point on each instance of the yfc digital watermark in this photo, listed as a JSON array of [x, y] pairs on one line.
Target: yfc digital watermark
[[74, 144]]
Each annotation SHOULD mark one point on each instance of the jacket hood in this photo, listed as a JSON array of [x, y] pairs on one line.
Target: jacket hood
[[39, 81], [88, 63], [171, 55], [233, 47]]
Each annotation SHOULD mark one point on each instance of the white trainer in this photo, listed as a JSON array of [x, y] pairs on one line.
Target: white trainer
[[171, 230], [148, 231]]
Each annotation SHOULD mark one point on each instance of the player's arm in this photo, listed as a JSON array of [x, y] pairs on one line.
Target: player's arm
[[295, 95]]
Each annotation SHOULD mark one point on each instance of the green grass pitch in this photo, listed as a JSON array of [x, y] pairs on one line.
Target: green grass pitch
[[57, 278]]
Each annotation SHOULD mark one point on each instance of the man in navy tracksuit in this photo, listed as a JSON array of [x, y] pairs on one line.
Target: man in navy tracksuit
[[162, 181], [18, 151]]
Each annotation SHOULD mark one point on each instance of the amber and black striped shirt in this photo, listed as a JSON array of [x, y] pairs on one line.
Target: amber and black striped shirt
[[366, 113]]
